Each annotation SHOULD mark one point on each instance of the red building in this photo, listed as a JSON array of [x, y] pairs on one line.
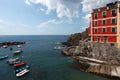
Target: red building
[[105, 24]]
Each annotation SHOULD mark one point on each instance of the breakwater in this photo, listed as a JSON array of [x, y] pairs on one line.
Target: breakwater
[[12, 43]]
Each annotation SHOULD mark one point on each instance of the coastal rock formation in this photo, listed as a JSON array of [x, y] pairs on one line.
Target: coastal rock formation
[[12, 43], [99, 58], [73, 39], [99, 51]]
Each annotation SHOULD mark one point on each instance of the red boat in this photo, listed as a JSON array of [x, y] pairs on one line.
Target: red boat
[[19, 64]]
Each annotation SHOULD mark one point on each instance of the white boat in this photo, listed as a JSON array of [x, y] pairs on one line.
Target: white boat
[[23, 72], [18, 51], [4, 46], [12, 59], [19, 46]]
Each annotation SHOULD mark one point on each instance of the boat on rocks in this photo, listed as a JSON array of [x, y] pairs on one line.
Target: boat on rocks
[[19, 64], [3, 57], [12, 59], [17, 52], [23, 72]]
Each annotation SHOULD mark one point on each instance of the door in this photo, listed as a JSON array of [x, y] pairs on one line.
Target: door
[[105, 39], [98, 39]]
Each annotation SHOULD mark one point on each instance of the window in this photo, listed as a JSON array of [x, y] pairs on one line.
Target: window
[[104, 30], [108, 8], [95, 30], [113, 29], [97, 10], [113, 12], [104, 22], [95, 22], [98, 39], [95, 15], [113, 20], [105, 39], [104, 13]]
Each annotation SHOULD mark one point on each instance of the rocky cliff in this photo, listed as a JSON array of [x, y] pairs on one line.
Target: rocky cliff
[[74, 39], [99, 51], [81, 47], [100, 58]]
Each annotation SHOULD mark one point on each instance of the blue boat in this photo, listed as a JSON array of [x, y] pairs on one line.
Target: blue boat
[[17, 70], [17, 52], [3, 57], [14, 62]]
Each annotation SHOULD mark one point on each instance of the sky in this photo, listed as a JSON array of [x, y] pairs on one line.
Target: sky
[[46, 17]]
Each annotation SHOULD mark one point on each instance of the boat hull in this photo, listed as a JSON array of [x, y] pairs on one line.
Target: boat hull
[[19, 64], [4, 57], [23, 72]]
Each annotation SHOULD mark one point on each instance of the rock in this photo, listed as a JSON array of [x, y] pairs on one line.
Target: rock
[[74, 39], [66, 43], [99, 51], [11, 43]]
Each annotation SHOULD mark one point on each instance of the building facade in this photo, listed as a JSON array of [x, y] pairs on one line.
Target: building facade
[[105, 24]]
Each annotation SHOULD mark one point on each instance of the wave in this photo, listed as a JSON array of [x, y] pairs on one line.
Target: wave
[[59, 47], [57, 42]]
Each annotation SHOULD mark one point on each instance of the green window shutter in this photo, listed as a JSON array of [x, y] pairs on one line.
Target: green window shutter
[[104, 29], [104, 21], [104, 13], [113, 20], [113, 29]]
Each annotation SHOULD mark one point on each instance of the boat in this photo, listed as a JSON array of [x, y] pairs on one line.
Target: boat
[[23, 72], [3, 57], [14, 62], [21, 68], [19, 46], [19, 64], [18, 51], [12, 59], [4, 46]]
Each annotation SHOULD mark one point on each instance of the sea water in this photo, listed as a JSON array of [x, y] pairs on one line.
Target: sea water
[[45, 60]]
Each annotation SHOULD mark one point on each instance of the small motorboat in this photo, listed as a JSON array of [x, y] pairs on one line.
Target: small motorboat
[[4, 46], [18, 51], [21, 68], [19, 64], [23, 72], [19, 46], [3, 57], [12, 59], [14, 62]]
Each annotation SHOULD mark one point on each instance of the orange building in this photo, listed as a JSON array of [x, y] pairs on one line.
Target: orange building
[[105, 24]]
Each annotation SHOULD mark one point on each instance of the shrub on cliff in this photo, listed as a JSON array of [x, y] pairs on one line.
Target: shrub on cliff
[[74, 39]]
